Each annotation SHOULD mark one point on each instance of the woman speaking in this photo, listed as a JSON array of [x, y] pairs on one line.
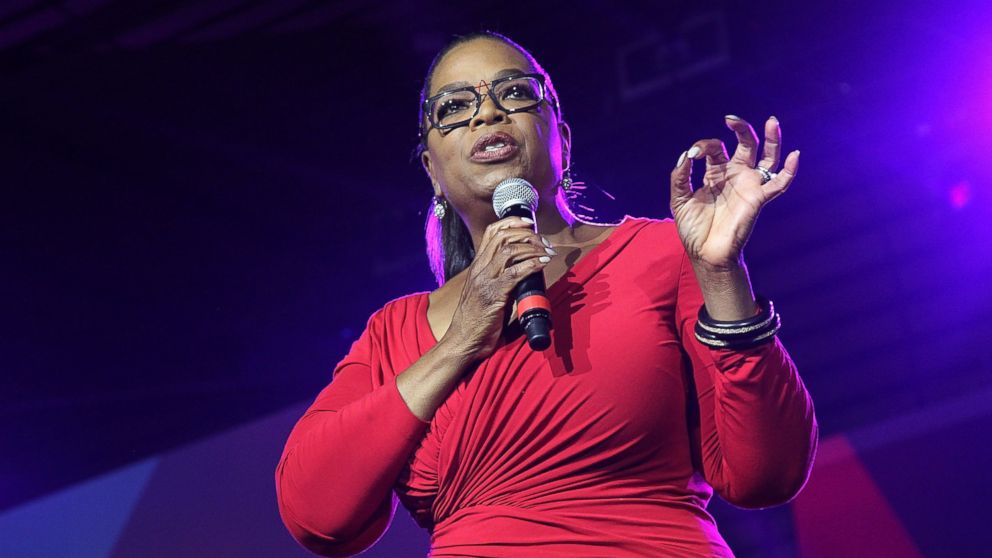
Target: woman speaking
[[662, 383]]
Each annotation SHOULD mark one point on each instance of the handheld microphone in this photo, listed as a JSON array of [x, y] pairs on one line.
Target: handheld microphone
[[515, 197]]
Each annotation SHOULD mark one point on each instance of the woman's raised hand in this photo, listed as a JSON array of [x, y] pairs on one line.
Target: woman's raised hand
[[715, 220], [509, 251]]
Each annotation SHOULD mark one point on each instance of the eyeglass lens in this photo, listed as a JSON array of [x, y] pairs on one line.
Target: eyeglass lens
[[460, 106]]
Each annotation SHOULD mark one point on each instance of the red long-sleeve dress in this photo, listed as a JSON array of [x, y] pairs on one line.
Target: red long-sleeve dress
[[610, 443]]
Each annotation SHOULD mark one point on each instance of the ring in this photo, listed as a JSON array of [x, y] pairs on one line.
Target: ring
[[766, 175]]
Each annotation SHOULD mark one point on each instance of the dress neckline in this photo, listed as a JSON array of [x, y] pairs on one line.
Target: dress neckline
[[578, 273]]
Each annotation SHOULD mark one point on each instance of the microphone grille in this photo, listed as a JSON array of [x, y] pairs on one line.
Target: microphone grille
[[513, 191]]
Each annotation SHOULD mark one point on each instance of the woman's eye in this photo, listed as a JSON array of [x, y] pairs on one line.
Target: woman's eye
[[451, 107], [519, 91]]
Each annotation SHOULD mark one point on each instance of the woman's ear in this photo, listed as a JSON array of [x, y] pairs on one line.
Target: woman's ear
[[565, 132], [425, 161]]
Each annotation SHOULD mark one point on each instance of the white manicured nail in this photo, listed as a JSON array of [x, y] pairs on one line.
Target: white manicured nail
[[544, 259], [681, 160], [546, 242], [551, 252], [693, 152], [732, 117], [527, 220]]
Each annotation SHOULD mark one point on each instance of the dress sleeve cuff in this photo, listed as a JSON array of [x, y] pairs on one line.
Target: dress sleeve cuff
[[400, 412]]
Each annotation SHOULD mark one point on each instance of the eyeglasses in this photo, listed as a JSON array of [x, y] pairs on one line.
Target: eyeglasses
[[517, 93]]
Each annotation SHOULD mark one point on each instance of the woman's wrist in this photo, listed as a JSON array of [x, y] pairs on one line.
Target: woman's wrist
[[426, 384], [455, 350], [726, 292]]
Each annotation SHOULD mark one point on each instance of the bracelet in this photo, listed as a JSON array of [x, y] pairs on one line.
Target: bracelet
[[739, 334], [761, 337], [766, 306]]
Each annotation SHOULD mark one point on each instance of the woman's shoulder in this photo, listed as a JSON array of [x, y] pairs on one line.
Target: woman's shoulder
[[403, 305], [397, 311], [649, 224], [650, 233]]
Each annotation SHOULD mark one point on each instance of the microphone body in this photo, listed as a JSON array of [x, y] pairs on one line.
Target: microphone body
[[515, 197]]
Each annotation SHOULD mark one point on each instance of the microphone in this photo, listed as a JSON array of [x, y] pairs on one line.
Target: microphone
[[515, 197]]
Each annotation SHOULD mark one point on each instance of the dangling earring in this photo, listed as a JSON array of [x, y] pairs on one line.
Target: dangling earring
[[439, 207], [566, 179]]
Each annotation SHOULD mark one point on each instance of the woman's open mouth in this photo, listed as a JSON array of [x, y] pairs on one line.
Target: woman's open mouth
[[494, 147]]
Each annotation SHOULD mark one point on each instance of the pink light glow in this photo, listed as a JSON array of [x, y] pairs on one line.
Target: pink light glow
[[959, 194]]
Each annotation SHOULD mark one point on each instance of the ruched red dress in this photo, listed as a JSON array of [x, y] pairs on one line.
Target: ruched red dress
[[610, 443]]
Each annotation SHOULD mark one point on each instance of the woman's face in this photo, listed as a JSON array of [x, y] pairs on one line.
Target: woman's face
[[534, 142]]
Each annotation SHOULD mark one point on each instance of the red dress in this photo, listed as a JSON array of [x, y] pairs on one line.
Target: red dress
[[609, 443]]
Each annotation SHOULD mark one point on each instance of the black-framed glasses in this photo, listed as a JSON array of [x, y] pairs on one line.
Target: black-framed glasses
[[457, 107]]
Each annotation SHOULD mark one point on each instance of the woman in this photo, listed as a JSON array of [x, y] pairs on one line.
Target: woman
[[612, 441]]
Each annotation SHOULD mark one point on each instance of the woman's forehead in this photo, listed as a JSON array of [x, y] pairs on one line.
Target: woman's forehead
[[477, 60]]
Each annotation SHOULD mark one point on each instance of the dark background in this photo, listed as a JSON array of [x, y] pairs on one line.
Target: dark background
[[204, 201]]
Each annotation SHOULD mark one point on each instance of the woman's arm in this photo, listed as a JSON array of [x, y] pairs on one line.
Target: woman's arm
[[334, 478], [343, 457], [757, 430], [338, 468], [337, 471]]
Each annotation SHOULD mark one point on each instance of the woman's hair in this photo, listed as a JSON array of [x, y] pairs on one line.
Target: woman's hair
[[449, 244]]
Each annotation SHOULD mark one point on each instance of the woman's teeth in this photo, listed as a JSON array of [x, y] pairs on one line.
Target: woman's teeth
[[495, 146]]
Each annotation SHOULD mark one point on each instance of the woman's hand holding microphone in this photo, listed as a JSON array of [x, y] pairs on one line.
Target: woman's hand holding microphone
[[508, 251]]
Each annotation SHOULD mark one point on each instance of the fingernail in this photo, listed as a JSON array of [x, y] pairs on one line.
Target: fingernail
[[773, 118], [527, 220], [544, 259], [732, 117], [692, 153], [546, 242], [551, 252], [797, 153], [681, 159]]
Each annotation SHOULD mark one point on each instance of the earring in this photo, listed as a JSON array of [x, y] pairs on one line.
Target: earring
[[566, 179], [439, 207]]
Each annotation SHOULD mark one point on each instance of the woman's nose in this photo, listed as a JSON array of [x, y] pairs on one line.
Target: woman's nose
[[488, 113]]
